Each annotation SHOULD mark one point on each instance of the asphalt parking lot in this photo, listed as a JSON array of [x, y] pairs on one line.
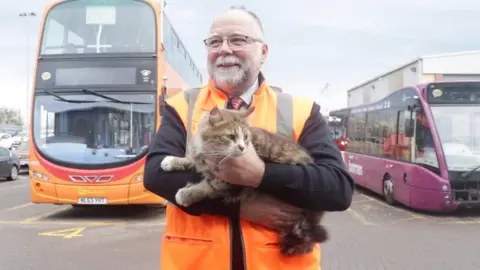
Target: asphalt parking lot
[[370, 235]]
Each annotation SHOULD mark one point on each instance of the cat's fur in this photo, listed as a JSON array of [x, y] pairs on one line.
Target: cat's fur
[[230, 133]]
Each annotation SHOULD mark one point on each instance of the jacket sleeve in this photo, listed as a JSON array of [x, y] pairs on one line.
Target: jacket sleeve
[[323, 186], [171, 140]]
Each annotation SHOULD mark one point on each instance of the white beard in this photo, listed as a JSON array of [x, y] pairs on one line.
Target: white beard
[[233, 75]]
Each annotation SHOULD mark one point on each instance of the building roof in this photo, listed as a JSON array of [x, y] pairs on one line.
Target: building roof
[[412, 62]]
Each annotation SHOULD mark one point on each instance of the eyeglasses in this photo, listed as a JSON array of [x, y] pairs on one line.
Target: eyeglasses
[[235, 42]]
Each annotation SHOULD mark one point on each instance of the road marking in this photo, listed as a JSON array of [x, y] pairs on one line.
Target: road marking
[[368, 207], [44, 215], [463, 222], [362, 201], [359, 217], [413, 215], [18, 207], [402, 219], [65, 233], [69, 223]]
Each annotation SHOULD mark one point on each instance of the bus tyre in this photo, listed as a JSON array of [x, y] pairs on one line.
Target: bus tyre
[[388, 191]]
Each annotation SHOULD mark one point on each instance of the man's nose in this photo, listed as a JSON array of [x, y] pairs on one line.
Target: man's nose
[[225, 48]]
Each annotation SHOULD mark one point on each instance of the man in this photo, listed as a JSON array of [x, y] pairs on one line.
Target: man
[[211, 235]]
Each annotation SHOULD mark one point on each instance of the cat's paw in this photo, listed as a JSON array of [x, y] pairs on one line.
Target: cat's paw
[[182, 197], [167, 163]]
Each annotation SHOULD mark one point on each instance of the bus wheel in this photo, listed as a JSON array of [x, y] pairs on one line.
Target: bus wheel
[[388, 190]]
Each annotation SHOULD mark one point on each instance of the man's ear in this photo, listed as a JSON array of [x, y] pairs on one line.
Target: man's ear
[[264, 53]]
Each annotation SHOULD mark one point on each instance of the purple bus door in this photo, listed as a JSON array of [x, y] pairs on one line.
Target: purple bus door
[[397, 173]]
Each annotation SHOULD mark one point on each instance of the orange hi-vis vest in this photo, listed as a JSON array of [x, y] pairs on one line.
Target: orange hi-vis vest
[[203, 242]]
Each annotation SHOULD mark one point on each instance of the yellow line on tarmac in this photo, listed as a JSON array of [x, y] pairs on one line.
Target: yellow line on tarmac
[[413, 215], [359, 217], [18, 207], [83, 223]]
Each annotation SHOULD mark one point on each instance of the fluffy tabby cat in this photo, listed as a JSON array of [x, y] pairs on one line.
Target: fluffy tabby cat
[[230, 134]]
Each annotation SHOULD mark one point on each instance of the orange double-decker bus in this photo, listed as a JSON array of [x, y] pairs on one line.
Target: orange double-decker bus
[[100, 75]]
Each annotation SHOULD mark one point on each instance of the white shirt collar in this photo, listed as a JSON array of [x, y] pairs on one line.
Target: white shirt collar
[[248, 95]]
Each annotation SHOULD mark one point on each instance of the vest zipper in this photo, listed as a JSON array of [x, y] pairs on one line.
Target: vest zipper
[[243, 245], [231, 243], [238, 230]]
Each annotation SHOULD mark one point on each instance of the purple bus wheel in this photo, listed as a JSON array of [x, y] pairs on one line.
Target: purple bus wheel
[[388, 191]]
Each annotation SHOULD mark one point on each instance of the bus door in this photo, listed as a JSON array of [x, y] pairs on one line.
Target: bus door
[[403, 154]]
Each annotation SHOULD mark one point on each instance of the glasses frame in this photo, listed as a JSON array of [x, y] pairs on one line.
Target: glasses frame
[[249, 39]]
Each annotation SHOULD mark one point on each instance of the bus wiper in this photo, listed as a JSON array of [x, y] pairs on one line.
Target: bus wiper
[[93, 93], [67, 100], [465, 175]]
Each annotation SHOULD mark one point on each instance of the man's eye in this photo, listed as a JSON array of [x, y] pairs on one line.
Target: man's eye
[[215, 42], [238, 40]]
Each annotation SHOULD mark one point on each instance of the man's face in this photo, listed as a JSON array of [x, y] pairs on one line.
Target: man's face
[[234, 63]]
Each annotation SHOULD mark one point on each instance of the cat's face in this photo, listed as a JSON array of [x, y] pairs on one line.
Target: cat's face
[[227, 131]]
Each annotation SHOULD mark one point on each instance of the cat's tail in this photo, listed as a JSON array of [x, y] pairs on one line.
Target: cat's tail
[[319, 233]]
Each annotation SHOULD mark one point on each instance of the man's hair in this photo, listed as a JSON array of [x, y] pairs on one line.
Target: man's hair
[[249, 12]]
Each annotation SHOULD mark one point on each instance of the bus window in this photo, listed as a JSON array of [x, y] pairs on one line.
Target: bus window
[[402, 149], [387, 130], [77, 27], [356, 137], [424, 146], [99, 132]]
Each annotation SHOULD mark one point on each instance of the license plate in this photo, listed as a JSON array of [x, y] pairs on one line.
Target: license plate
[[96, 200]]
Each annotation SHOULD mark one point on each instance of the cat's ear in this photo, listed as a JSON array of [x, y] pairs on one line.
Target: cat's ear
[[215, 111], [248, 111], [215, 115]]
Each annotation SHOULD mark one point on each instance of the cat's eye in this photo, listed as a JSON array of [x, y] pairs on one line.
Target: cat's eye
[[231, 137]]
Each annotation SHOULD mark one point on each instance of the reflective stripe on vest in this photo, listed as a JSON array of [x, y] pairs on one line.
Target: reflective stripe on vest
[[203, 242]]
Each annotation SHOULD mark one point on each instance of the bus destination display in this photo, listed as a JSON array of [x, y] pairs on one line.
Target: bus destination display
[[451, 93], [96, 76]]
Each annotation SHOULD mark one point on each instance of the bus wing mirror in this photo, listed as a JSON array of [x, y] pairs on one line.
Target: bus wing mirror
[[409, 128]]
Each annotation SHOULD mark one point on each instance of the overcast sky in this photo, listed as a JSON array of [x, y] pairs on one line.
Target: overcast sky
[[312, 42]]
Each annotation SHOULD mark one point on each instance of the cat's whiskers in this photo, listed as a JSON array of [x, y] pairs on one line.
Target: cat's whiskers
[[222, 160], [217, 154]]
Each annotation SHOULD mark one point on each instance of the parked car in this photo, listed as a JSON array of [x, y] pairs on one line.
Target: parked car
[[22, 151], [9, 164], [8, 141]]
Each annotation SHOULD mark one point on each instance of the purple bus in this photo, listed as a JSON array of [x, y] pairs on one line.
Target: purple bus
[[419, 146]]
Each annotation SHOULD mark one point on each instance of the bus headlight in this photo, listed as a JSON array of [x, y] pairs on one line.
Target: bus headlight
[[139, 178], [444, 187], [39, 176]]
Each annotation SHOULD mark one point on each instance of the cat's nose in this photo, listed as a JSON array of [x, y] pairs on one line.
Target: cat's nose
[[241, 147]]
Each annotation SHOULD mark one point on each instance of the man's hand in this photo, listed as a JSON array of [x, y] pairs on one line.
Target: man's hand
[[269, 212], [245, 170]]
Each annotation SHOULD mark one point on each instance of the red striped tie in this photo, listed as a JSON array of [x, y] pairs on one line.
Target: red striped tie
[[236, 103]]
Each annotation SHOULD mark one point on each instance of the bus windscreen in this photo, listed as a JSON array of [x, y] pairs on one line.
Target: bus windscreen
[[84, 129], [87, 27]]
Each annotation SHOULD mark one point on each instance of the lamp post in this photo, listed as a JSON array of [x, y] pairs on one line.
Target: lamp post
[[29, 14], [324, 89], [324, 92], [164, 94]]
